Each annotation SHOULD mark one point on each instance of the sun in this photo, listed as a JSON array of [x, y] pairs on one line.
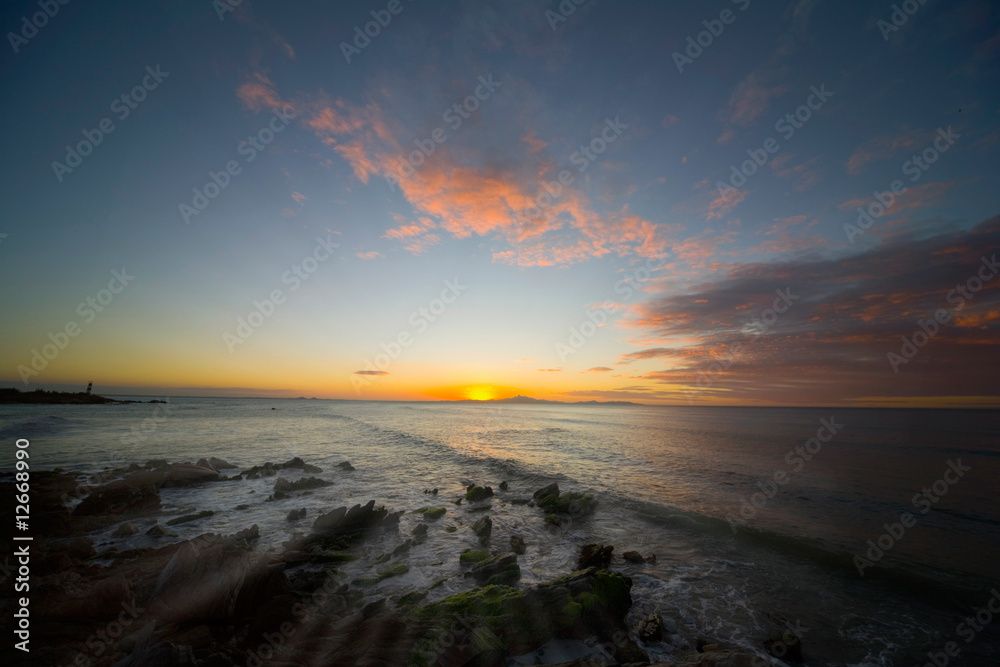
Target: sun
[[480, 393]]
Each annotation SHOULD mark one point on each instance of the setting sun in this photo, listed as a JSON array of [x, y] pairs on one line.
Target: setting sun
[[480, 393]]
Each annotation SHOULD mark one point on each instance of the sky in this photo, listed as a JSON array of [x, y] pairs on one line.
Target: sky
[[725, 203]]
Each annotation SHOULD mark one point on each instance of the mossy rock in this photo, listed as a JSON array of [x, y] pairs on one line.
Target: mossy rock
[[474, 493], [382, 574], [432, 513], [393, 570], [473, 556], [489, 601], [572, 503], [482, 508], [450, 529]]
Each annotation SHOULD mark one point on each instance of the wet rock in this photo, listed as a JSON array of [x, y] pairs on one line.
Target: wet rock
[[633, 557], [119, 498], [351, 524], [420, 530], [433, 491], [475, 493], [159, 531], [787, 647], [295, 515], [470, 556], [190, 517], [243, 506], [500, 621], [246, 535], [517, 544], [503, 485], [402, 548], [185, 474], [650, 628], [298, 464], [595, 555], [496, 570], [126, 529], [651, 558], [346, 465], [432, 513], [203, 463], [282, 485], [394, 570], [483, 528], [155, 464], [552, 490], [220, 464]]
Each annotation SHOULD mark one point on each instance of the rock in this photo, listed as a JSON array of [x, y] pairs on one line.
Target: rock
[[432, 513], [243, 506], [572, 503], [402, 548], [220, 464], [517, 544], [420, 530], [475, 493], [155, 464], [473, 556], [190, 517], [503, 485], [119, 498], [185, 474], [595, 555], [125, 529], [552, 490], [787, 647], [284, 486], [80, 548], [496, 570], [720, 659], [633, 557], [203, 463], [651, 558], [499, 621], [353, 523], [483, 528], [650, 628], [246, 535], [346, 465], [159, 531], [298, 464], [295, 515]]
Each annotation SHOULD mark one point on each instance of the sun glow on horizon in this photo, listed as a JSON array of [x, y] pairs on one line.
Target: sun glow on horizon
[[480, 392]]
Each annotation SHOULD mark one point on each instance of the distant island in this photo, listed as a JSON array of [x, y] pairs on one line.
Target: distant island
[[527, 400], [41, 396]]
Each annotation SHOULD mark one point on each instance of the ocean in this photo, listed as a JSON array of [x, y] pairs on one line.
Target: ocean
[[874, 532]]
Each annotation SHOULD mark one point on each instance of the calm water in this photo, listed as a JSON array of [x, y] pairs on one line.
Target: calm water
[[671, 481]]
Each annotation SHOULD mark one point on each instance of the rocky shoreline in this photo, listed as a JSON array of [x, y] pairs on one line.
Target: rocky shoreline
[[217, 600]]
